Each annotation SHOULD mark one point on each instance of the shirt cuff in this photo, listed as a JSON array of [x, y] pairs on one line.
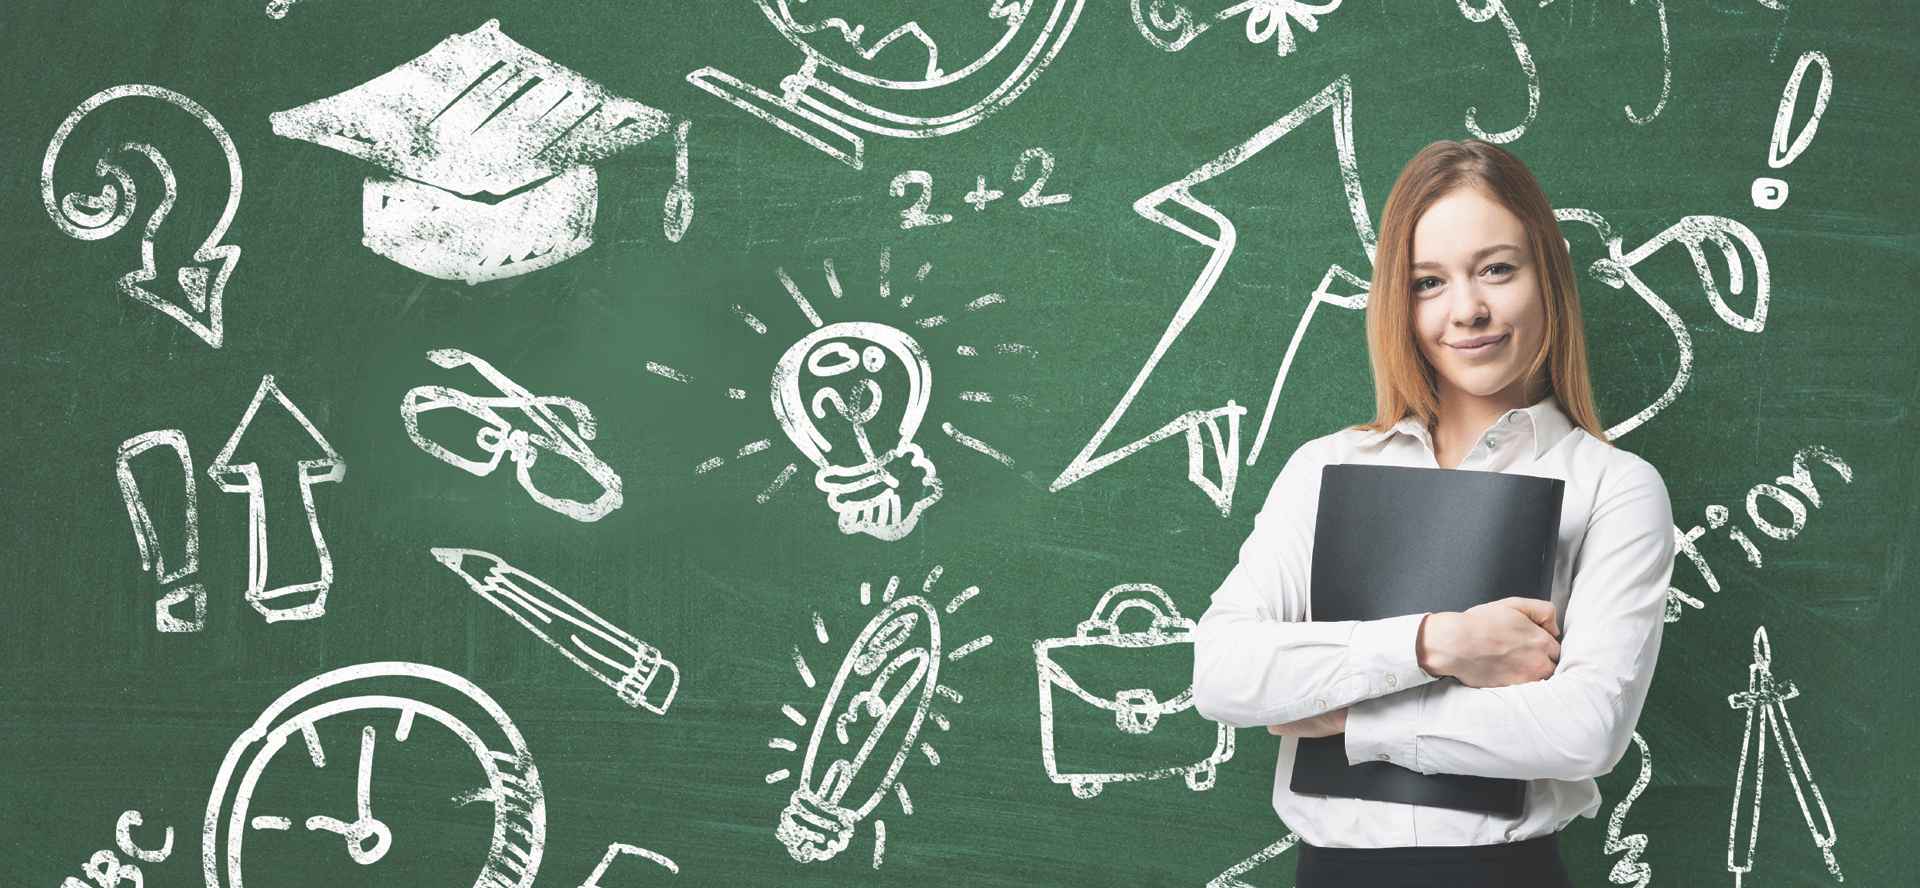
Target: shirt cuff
[[1384, 652], [1385, 729]]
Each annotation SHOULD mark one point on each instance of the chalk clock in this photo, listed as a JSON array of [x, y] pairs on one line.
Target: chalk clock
[[307, 789]]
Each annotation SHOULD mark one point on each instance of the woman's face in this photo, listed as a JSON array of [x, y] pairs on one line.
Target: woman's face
[[1474, 282]]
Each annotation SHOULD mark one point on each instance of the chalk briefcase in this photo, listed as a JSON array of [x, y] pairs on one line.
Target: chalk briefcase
[[1127, 733]]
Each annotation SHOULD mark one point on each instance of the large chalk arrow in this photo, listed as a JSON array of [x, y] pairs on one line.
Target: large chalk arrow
[[245, 478], [97, 216], [1175, 207]]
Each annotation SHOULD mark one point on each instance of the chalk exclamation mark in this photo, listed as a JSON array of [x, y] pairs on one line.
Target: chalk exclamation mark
[[152, 557], [1770, 193]]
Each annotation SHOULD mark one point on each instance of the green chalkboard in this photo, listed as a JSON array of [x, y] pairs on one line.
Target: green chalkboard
[[478, 371]]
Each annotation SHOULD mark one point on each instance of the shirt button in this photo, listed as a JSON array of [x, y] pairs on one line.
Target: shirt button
[[1391, 681], [1384, 757], [1320, 703]]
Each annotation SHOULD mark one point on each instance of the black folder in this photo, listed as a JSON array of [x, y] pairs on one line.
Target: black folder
[[1392, 540]]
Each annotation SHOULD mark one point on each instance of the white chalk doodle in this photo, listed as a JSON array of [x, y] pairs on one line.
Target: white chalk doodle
[[899, 84], [1765, 701], [1171, 25], [364, 827], [677, 215], [1133, 713], [487, 146], [501, 438], [851, 396], [1478, 15], [152, 552], [618, 850], [1718, 515], [1630, 869], [105, 868], [1175, 206], [123, 839], [918, 215], [202, 282], [868, 483], [323, 467], [1666, 70], [637, 672], [1785, 8], [1693, 232], [863, 736], [1770, 193], [1230, 878], [362, 707], [106, 871], [1659, 8]]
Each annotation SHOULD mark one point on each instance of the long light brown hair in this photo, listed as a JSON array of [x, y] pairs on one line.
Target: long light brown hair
[[1403, 380]]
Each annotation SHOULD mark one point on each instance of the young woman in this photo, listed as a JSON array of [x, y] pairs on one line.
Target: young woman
[[1479, 363]]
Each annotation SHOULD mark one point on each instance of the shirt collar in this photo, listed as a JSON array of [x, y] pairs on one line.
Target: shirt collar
[[1544, 421]]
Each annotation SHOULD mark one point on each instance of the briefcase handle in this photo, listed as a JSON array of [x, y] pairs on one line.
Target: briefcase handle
[[1142, 596]]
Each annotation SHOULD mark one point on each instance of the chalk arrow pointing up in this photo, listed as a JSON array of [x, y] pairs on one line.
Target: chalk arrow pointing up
[[245, 478]]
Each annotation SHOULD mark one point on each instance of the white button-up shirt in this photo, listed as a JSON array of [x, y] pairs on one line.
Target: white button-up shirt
[[1258, 660]]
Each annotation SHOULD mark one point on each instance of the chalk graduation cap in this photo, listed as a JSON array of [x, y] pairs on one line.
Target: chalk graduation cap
[[486, 145]]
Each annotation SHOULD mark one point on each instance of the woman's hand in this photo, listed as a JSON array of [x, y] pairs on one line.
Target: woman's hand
[[1324, 725], [1499, 643]]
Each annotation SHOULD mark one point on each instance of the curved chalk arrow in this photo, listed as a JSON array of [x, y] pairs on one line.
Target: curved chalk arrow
[[98, 216]]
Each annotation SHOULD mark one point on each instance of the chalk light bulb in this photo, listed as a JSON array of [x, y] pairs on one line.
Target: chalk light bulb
[[832, 380], [847, 772]]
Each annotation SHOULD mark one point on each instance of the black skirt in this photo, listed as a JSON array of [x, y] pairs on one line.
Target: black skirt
[[1529, 863]]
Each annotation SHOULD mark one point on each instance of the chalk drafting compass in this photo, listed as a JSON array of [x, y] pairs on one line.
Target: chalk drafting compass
[[1765, 701], [282, 797], [500, 438]]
